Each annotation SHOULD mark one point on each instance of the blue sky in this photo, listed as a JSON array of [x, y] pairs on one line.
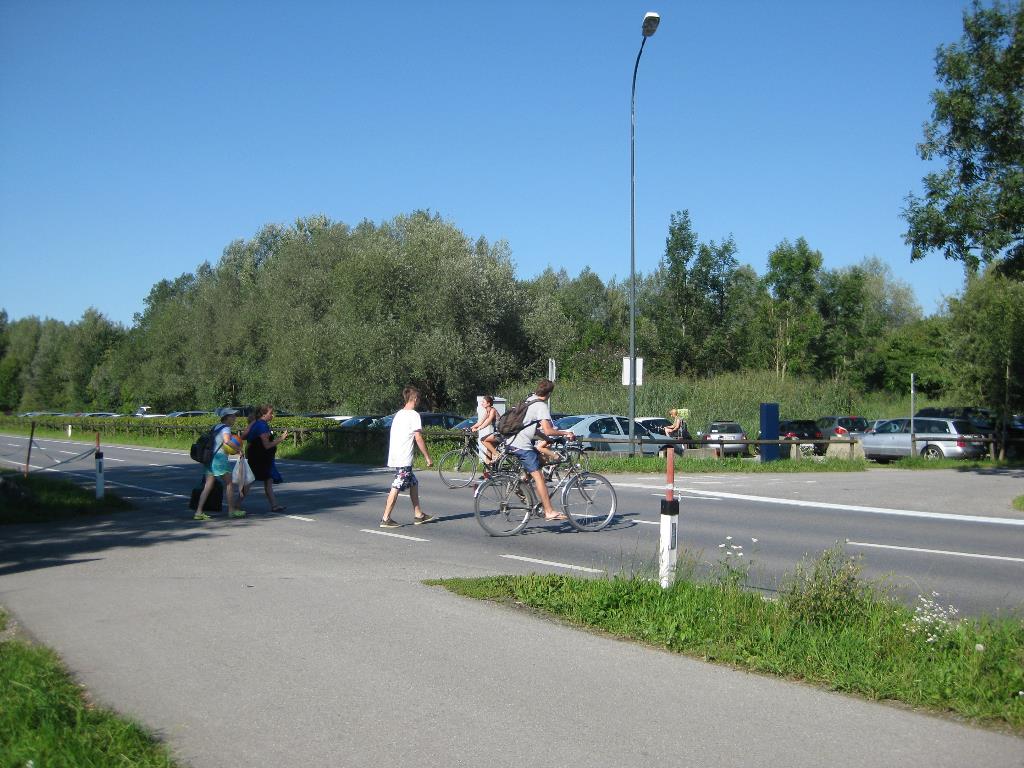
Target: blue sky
[[139, 139]]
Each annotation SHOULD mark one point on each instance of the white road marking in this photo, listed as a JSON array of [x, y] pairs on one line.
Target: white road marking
[[299, 517], [394, 535], [91, 476], [141, 488], [842, 507], [14, 445], [680, 495], [111, 458], [935, 551], [552, 563], [647, 522], [69, 453], [366, 490]]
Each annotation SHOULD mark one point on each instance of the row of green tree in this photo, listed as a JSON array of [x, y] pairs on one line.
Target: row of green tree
[[321, 315]]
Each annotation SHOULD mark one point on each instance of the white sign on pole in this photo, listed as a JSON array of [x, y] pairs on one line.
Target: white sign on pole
[[551, 368], [639, 371]]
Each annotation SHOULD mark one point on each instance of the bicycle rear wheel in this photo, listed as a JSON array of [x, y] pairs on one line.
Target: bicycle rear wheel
[[458, 468], [589, 501], [503, 505], [508, 463]]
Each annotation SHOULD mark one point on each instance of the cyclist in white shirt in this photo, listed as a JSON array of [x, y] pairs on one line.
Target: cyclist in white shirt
[[538, 414]]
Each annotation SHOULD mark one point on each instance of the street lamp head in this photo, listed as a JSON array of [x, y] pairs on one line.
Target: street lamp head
[[651, 20]]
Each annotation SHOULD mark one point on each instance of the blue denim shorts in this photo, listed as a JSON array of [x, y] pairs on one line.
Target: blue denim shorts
[[404, 478], [529, 458]]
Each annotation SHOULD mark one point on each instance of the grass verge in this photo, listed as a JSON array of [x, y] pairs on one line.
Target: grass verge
[[47, 721], [829, 627], [38, 499], [1018, 503]]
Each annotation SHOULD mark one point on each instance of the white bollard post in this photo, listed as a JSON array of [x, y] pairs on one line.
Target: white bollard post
[[667, 552]]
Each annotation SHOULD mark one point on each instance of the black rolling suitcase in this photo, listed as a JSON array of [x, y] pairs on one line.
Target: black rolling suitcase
[[214, 502]]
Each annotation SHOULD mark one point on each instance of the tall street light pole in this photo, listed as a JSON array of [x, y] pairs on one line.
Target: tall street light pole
[[650, 26]]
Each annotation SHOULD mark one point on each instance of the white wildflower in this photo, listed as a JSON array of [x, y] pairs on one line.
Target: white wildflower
[[979, 647], [728, 538], [754, 540]]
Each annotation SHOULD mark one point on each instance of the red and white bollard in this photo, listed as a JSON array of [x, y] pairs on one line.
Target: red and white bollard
[[668, 543]]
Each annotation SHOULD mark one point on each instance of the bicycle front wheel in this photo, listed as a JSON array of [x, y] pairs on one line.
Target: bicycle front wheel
[[589, 501], [503, 505], [458, 468]]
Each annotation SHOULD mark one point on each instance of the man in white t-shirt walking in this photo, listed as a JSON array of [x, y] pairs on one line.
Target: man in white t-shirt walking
[[538, 414], [405, 431]]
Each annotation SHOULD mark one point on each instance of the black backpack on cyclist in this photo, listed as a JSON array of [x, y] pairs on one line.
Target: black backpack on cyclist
[[511, 421]]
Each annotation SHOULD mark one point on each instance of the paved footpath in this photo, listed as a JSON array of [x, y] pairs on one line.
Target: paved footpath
[[265, 642]]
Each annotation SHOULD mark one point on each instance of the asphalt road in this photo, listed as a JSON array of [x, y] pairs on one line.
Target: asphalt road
[[308, 638], [946, 531]]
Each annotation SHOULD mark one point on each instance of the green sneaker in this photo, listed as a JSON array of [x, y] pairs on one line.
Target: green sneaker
[[237, 513], [200, 516]]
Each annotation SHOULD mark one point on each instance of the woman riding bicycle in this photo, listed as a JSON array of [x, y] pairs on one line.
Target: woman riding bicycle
[[486, 415]]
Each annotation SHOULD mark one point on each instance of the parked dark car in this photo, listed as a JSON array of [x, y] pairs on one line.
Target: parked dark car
[[844, 427], [800, 429], [980, 417], [428, 418], [360, 422]]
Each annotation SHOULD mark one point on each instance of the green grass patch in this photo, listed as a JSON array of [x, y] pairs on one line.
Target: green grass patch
[[47, 721], [1018, 503], [918, 462], [39, 499], [828, 627]]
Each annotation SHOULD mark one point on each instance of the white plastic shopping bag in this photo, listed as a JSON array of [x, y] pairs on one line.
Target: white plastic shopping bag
[[242, 475]]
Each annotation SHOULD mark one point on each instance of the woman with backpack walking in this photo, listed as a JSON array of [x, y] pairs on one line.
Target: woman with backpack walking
[[220, 467]]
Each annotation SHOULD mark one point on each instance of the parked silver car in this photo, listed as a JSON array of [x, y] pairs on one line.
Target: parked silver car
[[718, 436], [613, 428], [656, 426], [936, 439]]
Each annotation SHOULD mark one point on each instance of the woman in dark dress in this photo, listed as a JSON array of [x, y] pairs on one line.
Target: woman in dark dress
[[261, 449]]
